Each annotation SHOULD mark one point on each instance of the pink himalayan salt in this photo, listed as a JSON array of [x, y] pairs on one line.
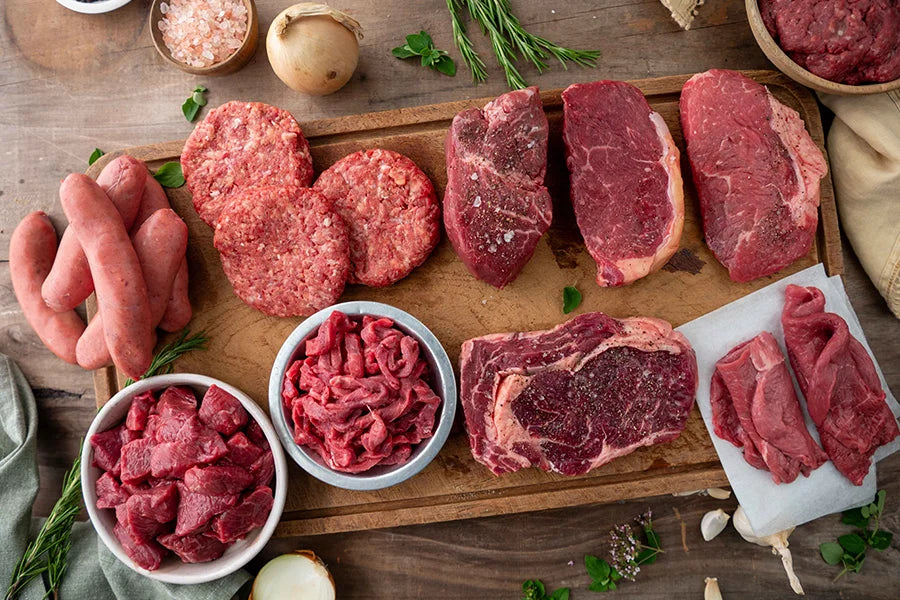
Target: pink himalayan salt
[[202, 33]]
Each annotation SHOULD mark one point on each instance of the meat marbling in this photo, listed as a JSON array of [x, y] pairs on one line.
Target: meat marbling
[[625, 179], [496, 207], [577, 396], [756, 170]]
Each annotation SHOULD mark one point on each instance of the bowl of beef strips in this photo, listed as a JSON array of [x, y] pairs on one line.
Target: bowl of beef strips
[[362, 395], [183, 477], [833, 46]]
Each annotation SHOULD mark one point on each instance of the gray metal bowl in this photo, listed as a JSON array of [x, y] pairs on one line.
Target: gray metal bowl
[[377, 477]]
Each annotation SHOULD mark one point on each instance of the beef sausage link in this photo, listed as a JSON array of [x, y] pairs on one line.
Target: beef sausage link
[[178, 310], [32, 249], [122, 298], [159, 243], [70, 281]]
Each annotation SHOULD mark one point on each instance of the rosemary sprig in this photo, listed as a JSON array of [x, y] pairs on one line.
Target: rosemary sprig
[[508, 37], [49, 551]]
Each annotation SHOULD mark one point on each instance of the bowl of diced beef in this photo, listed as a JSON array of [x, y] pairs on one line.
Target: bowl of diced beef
[[183, 477], [362, 395]]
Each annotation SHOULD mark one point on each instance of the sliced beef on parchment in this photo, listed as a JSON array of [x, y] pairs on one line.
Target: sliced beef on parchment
[[625, 179]]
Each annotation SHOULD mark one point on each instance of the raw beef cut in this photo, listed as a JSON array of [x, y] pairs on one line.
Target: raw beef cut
[[756, 171], [754, 406], [625, 179], [496, 207], [577, 396], [843, 394]]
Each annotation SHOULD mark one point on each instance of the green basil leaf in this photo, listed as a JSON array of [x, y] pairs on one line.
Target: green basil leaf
[[599, 586], [831, 552], [190, 109], [200, 89], [199, 98], [611, 587], [533, 589], [445, 65], [647, 556], [879, 500], [854, 517], [169, 175], [652, 539], [428, 59], [560, 594], [403, 52], [864, 511], [97, 153], [614, 574], [881, 540], [852, 543], [571, 299], [597, 568], [852, 564], [419, 42]]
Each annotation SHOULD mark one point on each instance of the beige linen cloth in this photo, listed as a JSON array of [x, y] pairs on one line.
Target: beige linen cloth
[[864, 154]]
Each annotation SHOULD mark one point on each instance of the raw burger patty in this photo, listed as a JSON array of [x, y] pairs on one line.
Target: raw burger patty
[[242, 145], [391, 212], [284, 250]]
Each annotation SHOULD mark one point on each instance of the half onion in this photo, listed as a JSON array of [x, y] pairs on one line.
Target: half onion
[[300, 575]]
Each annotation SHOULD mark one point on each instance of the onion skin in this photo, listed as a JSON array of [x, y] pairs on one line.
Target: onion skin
[[313, 48], [314, 560]]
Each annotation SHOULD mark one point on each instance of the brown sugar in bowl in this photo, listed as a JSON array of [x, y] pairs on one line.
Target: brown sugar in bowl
[[238, 59]]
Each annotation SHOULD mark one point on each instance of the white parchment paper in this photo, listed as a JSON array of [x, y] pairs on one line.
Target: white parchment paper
[[770, 507]]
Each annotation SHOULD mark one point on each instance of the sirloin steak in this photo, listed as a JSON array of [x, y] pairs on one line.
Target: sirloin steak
[[496, 207], [625, 179], [756, 171], [576, 396]]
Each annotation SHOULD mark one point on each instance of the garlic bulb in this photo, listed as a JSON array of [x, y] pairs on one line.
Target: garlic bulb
[[778, 542], [713, 523], [712, 589]]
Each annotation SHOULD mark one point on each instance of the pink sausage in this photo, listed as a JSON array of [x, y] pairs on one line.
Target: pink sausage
[[32, 249], [178, 311], [160, 244], [122, 298], [70, 281]]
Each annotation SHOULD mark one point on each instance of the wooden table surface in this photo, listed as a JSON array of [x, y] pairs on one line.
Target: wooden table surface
[[69, 83]]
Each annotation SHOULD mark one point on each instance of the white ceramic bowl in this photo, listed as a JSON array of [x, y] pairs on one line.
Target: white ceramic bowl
[[172, 569], [377, 477], [93, 8]]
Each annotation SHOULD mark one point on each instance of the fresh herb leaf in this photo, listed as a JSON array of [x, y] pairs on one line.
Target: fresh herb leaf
[[560, 594], [854, 517], [831, 552], [852, 543], [599, 586], [420, 44], [533, 590], [598, 569], [198, 98], [192, 105], [169, 175], [647, 556], [168, 354], [880, 540], [97, 153], [571, 299]]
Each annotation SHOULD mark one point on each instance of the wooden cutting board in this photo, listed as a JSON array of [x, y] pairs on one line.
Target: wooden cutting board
[[442, 294]]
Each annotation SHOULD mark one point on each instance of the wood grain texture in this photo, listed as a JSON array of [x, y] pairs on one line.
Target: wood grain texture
[[442, 294], [69, 83]]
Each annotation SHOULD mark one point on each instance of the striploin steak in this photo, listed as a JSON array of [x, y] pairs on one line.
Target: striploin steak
[[754, 407], [625, 179], [577, 396], [496, 207], [756, 171], [843, 393]]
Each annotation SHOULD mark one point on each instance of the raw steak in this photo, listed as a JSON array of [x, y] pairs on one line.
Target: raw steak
[[843, 394], [577, 396], [496, 207], [756, 171], [625, 179], [754, 406]]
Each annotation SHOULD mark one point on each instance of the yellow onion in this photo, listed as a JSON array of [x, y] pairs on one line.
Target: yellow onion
[[299, 575]]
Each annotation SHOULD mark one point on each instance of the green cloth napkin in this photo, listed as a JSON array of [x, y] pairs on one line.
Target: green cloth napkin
[[93, 572]]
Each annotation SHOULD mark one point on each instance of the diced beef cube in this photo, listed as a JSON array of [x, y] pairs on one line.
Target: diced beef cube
[[172, 459], [135, 460], [263, 469], [134, 488], [159, 503], [139, 411], [109, 493], [154, 422], [210, 444], [108, 447], [236, 522], [217, 480], [180, 427], [146, 554], [241, 451], [221, 411], [256, 434], [176, 400], [193, 548], [195, 510]]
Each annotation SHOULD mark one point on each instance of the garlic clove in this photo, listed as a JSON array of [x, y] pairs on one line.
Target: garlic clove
[[687, 493], [712, 589], [713, 523], [719, 493], [777, 541]]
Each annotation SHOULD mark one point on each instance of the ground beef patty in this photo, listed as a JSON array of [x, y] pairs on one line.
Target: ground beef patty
[[241, 145], [391, 212], [284, 249]]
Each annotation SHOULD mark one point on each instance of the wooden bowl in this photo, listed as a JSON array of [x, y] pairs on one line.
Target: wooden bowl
[[231, 64], [781, 60]]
